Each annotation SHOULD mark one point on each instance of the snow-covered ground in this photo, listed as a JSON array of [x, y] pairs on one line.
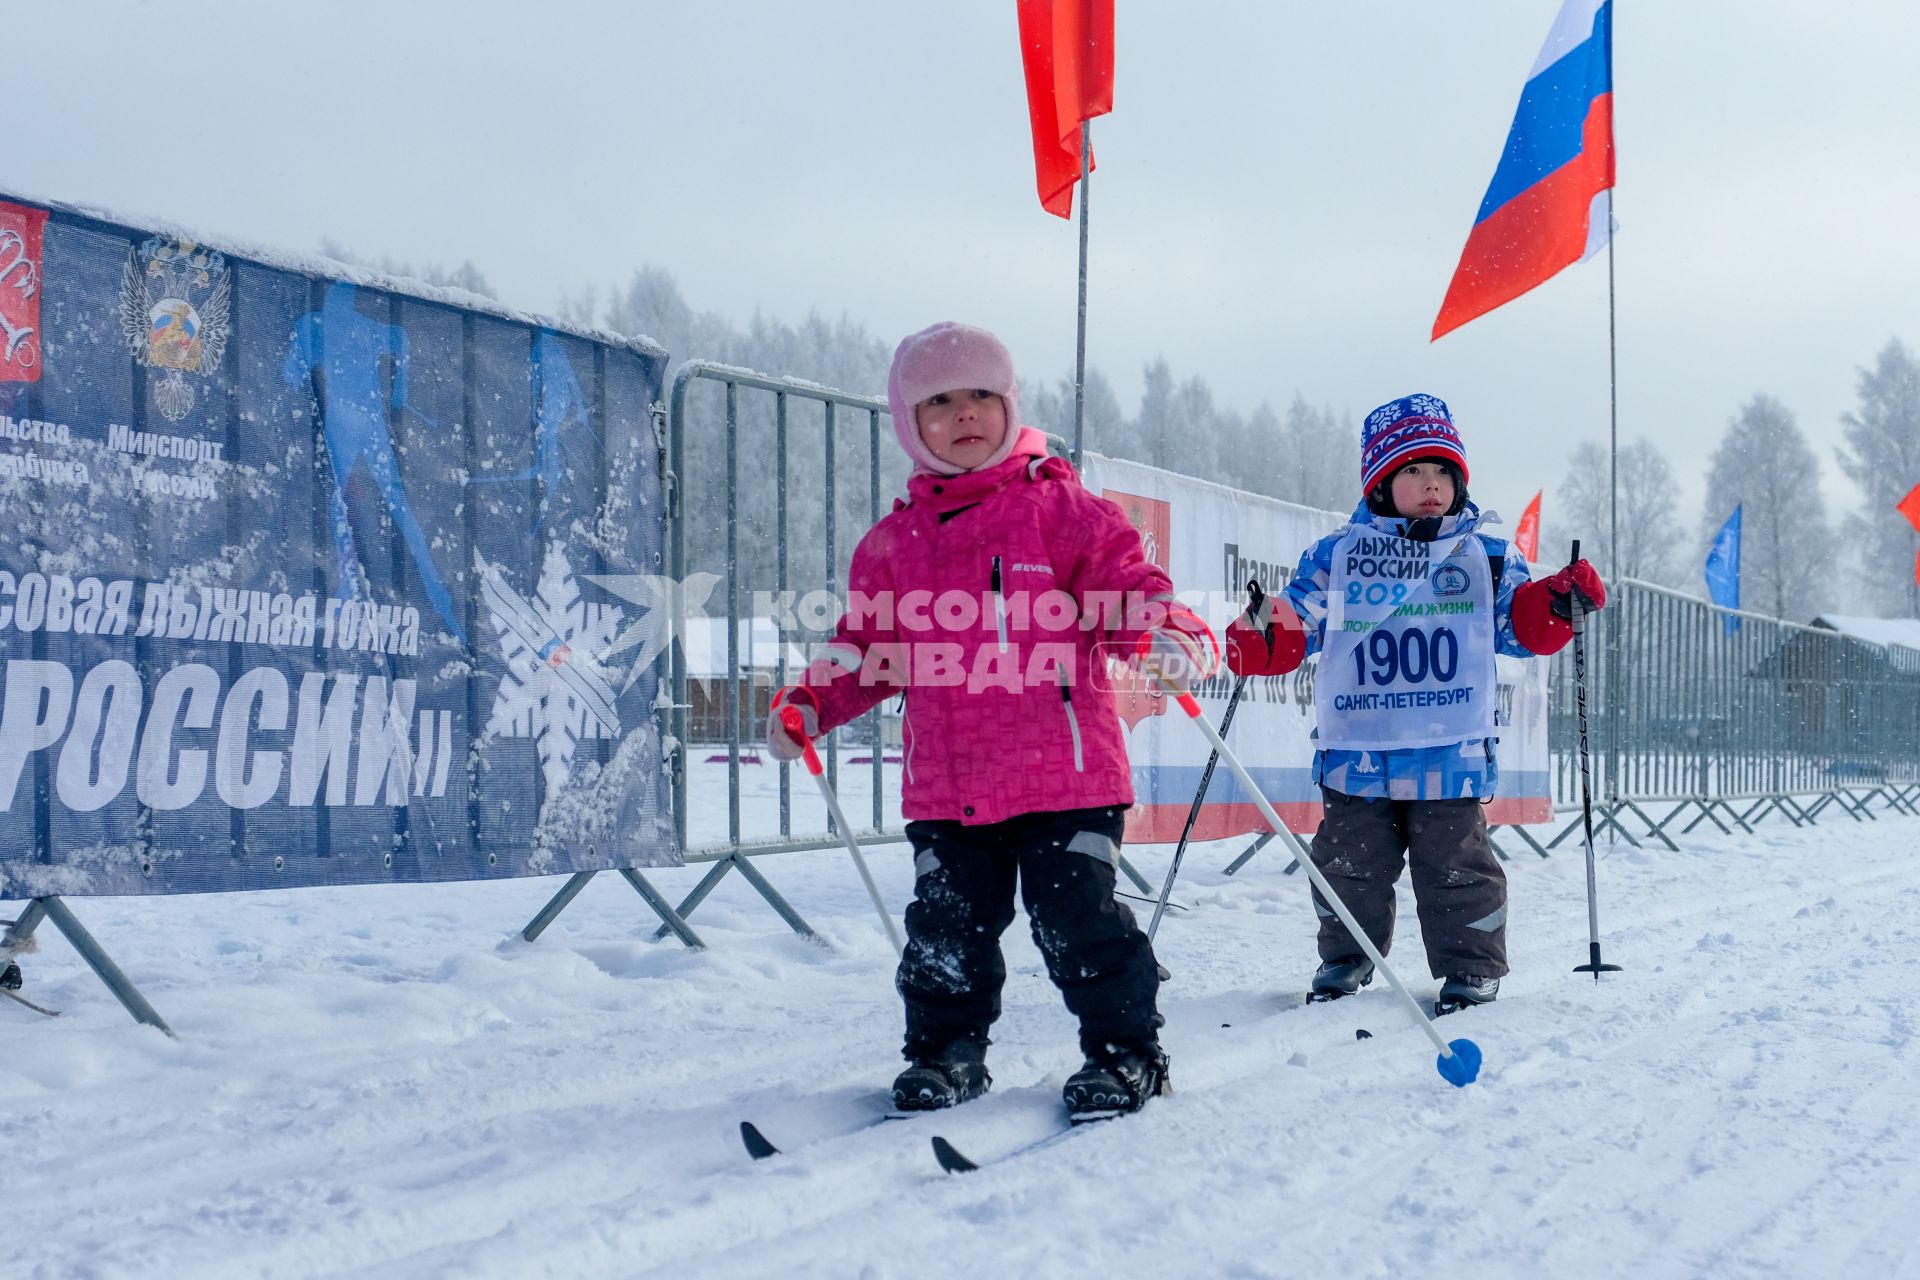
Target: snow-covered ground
[[388, 1082]]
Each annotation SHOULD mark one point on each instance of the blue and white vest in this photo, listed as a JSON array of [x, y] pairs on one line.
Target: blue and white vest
[[1410, 638]]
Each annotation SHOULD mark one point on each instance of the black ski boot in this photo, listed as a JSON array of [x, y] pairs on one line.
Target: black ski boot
[[1116, 1082], [1458, 993], [10, 979], [1338, 978], [943, 1078]]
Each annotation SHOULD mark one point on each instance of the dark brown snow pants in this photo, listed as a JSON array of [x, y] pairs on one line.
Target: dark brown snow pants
[[1458, 885]]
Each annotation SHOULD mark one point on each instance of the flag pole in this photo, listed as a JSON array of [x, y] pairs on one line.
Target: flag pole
[[1080, 337], [1613, 474]]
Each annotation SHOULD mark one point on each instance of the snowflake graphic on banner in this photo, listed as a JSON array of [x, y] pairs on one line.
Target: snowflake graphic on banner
[[555, 689]]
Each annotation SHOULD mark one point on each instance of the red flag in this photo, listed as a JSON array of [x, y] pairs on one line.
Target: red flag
[[1067, 48], [1527, 536], [1909, 507]]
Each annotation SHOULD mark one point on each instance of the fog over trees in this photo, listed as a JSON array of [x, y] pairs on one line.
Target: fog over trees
[[1797, 562]]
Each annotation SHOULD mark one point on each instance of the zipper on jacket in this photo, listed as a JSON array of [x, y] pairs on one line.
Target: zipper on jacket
[[1073, 722], [999, 606], [906, 736]]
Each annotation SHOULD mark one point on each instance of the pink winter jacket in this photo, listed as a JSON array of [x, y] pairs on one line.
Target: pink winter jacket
[[989, 598]]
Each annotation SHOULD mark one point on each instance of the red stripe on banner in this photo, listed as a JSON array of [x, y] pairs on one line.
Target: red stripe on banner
[[1519, 811], [1535, 235], [1162, 823]]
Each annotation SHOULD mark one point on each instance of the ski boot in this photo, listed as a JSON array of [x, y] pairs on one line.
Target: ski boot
[[1338, 978], [1116, 1082], [1458, 993], [10, 979], [943, 1078]]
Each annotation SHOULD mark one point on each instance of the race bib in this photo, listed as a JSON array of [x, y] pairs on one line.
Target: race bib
[[1409, 654]]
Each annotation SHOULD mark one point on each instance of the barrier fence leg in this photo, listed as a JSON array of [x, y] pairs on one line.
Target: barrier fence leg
[[661, 907], [1706, 815], [97, 959], [1139, 881], [774, 900], [1246, 855], [1301, 849], [1574, 823], [715, 874], [558, 903], [1610, 817], [1521, 831], [1660, 828]]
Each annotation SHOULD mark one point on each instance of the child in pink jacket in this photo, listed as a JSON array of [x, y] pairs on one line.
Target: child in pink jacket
[[994, 597]]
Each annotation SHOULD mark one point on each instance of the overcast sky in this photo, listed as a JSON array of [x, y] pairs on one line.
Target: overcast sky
[[1284, 185]]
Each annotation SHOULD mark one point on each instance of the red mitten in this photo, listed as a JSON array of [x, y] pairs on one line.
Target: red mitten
[[1534, 623], [1576, 586], [1272, 651]]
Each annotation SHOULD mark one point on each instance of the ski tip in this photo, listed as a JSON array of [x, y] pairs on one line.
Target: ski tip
[[1461, 1067], [950, 1160], [756, 1142]]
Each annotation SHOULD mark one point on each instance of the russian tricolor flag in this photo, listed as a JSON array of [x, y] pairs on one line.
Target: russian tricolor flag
[[1547, 206]]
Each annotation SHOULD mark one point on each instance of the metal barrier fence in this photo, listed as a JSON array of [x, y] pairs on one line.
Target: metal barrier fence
[[1734, 715], [834, 408]]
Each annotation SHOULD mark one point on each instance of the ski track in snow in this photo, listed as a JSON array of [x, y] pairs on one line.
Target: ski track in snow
[[388, 1082]]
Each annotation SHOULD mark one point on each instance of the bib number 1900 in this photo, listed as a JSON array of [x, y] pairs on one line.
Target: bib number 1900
[[1412, 656]]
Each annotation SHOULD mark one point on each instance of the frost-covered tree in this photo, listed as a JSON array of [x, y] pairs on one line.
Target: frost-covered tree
[[1318, 457], [466, 276], [1650, 527], [1765, 465], [1881, 455]]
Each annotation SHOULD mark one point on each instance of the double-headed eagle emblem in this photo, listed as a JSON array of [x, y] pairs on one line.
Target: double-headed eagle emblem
[[174, 313]]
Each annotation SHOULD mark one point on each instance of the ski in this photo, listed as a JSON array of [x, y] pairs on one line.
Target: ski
[[760, 1148], [17, 998], [953, 1161]]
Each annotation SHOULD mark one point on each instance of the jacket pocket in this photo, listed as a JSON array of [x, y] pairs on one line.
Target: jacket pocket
[[1073, 722]]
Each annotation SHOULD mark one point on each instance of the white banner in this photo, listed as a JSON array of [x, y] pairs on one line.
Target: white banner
[[1212, 540]]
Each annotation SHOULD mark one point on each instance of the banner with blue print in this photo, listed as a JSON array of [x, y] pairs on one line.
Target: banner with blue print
[[308, 581]]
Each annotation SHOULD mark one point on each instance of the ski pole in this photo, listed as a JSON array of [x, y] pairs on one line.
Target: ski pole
[[1459, 1060], [1577, 615], [796, 727], [1257, 597]]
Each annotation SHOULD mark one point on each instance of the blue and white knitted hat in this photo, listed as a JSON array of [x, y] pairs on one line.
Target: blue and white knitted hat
[[1407, 430]]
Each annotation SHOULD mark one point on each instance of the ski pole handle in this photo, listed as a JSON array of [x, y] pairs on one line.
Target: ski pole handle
[[796, 726], [1578, 615]]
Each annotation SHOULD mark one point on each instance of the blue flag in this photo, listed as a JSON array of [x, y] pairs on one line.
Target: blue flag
[[1723, 567]]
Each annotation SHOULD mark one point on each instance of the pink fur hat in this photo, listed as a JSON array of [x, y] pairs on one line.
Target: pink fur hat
[[949, 357]]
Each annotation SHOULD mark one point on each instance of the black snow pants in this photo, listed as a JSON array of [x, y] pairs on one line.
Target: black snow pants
[[1459, 887], [952, 972]]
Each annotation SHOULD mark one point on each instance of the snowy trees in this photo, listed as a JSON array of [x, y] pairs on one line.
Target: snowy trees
[[1787, 547], [1649, 512], [1882, 456]]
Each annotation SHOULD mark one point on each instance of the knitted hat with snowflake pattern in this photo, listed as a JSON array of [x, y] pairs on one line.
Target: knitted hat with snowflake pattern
[[1407, 430]]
